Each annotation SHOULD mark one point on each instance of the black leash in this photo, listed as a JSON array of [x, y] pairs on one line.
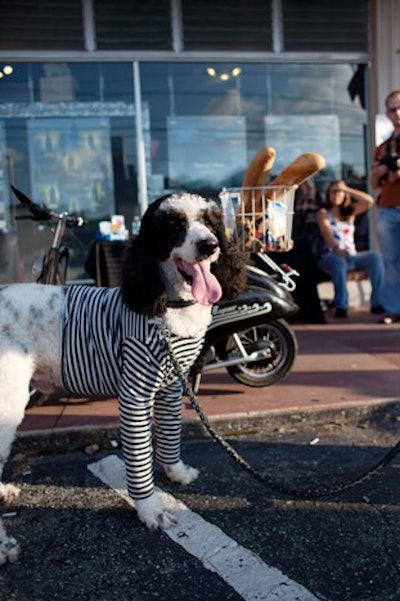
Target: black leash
[[305, 494]]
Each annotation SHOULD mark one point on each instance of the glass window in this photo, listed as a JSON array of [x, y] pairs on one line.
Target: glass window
[[209, 120], [67, 139]]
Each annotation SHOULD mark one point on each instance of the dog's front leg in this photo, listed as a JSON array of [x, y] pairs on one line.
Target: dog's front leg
[[168, 422], [135, 413], [9, 548], [152, 512], [139, 390], [181, 473]]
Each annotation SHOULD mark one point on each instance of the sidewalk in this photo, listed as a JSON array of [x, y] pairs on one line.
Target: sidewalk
[[345, 368]]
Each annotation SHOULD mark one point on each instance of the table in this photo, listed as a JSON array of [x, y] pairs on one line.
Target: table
[[104, 262]]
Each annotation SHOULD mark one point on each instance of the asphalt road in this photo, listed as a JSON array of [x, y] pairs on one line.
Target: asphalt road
[[81, 540]]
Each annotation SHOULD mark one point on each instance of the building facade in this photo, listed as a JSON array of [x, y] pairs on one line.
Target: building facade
[[105, 106]]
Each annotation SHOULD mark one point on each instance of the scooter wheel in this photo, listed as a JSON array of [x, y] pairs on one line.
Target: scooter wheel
[[275, 344]]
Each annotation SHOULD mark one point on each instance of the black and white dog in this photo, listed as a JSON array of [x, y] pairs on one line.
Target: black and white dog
[[99, 341]]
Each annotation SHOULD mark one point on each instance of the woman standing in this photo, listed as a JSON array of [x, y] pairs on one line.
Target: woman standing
[[336, 224]]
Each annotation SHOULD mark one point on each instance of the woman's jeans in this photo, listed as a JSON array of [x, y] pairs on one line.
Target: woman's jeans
[[338, 267], [388, 234]]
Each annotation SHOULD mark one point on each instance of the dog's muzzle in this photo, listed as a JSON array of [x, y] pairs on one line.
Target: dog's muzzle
[[206, 289]]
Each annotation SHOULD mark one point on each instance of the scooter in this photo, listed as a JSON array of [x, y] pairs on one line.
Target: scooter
[[250, 336]]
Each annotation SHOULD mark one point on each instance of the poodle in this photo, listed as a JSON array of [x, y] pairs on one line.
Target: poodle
[[108, 341]]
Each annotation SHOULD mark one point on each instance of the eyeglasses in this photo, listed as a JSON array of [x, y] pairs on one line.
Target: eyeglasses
[[393, 109]]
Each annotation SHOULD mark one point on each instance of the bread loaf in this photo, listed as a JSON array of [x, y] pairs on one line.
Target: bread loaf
[[263, 224], [256, 175], [302, 168]]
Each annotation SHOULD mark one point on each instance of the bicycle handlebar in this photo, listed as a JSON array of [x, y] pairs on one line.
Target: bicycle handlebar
[[43, 213]]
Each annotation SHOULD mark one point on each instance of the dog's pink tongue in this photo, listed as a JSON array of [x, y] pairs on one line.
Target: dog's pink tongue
[[205, 287]]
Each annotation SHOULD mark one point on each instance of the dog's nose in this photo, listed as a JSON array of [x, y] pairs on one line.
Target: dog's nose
[[207, 247]]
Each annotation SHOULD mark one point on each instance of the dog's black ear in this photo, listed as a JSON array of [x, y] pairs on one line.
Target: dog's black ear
[[230, 271], [142, 288]]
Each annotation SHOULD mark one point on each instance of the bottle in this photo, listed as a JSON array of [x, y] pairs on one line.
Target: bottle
[[136, 226]]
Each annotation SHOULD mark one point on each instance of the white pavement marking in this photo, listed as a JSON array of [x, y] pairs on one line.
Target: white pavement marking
[[240, 568]]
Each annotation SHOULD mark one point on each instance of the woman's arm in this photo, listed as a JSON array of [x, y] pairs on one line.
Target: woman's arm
[[363, 201]]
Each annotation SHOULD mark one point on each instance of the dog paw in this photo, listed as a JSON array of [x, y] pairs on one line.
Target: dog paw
[[8, 493], [153, 514], [9, 550], [181, 473]]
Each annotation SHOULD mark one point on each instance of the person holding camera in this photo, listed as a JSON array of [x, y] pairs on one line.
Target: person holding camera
[[385, 180]]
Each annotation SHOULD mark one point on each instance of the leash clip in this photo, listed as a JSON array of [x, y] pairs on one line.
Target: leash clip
[[163, 330]]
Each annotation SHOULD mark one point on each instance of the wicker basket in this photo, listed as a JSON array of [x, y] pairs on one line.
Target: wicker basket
[[259, 219]]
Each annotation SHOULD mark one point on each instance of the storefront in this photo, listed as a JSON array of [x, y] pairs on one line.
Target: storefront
[[107, 128]]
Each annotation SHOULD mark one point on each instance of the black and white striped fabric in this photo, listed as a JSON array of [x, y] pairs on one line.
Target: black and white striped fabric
[[109, 350]]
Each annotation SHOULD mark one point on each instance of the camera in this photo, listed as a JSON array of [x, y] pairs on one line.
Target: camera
[[391, 160]]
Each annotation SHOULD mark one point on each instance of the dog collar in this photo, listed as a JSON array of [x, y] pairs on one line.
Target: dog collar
[[180, 304]]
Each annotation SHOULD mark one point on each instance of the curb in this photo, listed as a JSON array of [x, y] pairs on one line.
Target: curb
[[90, 438]]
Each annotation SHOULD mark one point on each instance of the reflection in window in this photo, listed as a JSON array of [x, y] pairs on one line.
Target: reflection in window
[[293, 107], [68, 139], [202, 123]]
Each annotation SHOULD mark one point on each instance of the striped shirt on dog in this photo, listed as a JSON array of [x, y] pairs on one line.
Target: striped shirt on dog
[[107, 349]]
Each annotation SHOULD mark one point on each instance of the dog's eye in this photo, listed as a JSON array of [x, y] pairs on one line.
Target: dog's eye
[[208, 223], [212, 220]]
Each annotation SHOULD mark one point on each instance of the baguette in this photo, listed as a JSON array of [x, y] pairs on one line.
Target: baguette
[[272, 223], [302, 168], [257, 175]]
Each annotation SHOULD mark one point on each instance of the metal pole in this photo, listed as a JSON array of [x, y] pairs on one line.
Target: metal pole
[[140, 149]]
